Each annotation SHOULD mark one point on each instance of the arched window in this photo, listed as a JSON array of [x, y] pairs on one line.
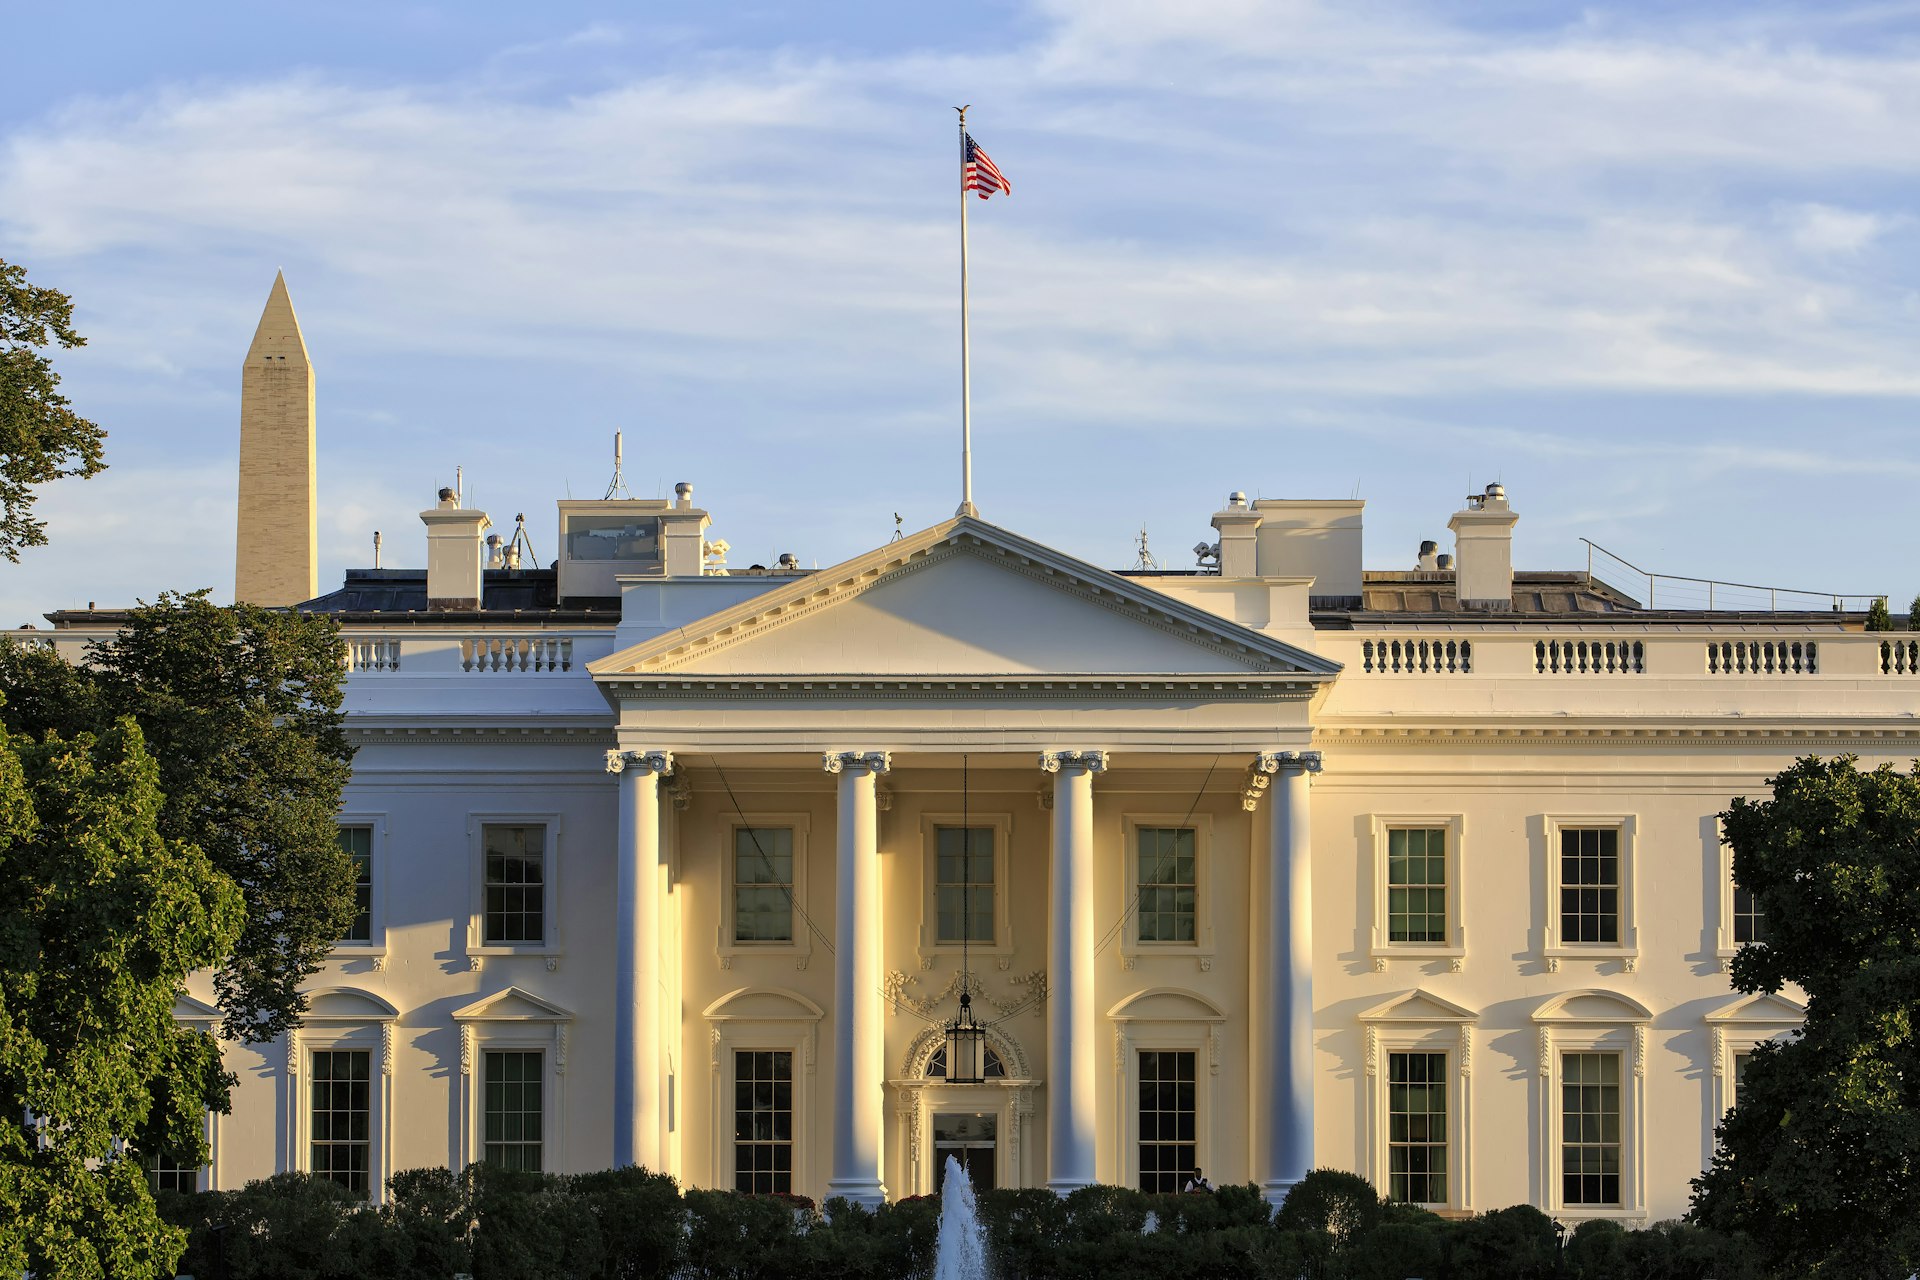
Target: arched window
[[937, 1065]]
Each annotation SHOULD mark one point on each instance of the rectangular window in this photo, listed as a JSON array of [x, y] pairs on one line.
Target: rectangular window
[[762, 884], [512, 1120], [1590, 1129], [1417, 885], [1749, 921], [357, 844], [1167, 1119], [168, 1172], [340, 1126], [1169, 885], [1417, 1127], [762, 1121], [516, 889], [1740, 1061], [963, 884], [1590, 885]]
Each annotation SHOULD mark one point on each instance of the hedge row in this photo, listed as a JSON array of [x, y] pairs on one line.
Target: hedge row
[[495, 1224]]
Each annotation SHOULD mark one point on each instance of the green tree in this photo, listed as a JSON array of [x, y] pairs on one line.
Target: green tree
[[240, 707], [1816, 1160], [1878, 619], [102, 920], [41, 437], [1913, 615]]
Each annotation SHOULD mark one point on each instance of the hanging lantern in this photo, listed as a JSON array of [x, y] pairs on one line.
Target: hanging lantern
[[966, 1047]]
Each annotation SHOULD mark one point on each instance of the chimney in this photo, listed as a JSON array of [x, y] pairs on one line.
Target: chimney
[[1483, 547], [1238, 525], [683, 531], [453, 553]]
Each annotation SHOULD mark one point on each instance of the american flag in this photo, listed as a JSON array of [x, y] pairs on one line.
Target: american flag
[[978, 172]]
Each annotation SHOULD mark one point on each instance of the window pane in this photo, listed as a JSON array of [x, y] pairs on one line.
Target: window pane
[[513, 1121], [762, 884], [1590, 1128], [1167, 1119], [516, 895], [340, 1120], [963, 887], [1417, 1127], [357, 844], [762, 1121], [1168, 886], [1590, 885], [1749, 921], [1417, 885]]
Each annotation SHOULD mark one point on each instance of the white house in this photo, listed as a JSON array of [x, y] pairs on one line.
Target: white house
[[1273, 864]]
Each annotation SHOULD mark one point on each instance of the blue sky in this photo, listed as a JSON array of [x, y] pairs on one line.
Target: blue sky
[[1652, 266]]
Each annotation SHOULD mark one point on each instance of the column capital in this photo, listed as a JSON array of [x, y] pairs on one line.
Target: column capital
[[1288, 762], [619, 761], [857, 761], [1090, 761]]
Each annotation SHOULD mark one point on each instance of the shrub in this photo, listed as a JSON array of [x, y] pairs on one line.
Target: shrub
[[1334, 1203], [640, 1217]]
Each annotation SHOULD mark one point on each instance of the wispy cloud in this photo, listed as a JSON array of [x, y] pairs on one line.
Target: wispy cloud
[[1229, 212]]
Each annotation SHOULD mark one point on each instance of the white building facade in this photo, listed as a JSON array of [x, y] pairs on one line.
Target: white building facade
[[1275, 864], [1269, 866]]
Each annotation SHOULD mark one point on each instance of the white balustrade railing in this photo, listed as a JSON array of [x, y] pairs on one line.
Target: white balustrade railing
[[1900, 657], [541, 652], [1762, 657], [1589, 657], [1416, 656], [371, 653]]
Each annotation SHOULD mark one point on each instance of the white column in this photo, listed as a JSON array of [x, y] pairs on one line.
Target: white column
[[638, 1071], [1287, 1100], [1071, 1039], [859, 1058]]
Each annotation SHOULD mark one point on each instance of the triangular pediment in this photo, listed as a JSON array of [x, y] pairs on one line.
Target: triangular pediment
[[512, 1005], [964, 598], [1761, 1009], [1592, 1005], [1419, 1006], [189, 1010]]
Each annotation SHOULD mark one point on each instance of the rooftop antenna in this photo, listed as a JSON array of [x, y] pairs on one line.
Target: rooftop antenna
[[897, 534], [459, 486], [618, 485], [376, 548], [1145, 559]]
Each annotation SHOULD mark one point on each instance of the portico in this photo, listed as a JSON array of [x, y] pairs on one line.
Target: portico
[[817, 707]]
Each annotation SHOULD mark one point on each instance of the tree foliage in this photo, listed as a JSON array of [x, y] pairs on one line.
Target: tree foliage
[[103, 918], [1878, 619], [41, 438], [240, 707], [1817, 1160]]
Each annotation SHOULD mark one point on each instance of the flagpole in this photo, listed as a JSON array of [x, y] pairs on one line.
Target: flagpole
[[966, 343]]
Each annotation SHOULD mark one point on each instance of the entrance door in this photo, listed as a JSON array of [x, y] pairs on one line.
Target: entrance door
[[969, 1138]]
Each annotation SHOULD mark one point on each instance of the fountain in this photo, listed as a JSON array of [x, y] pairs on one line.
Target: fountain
[[962, 1252]]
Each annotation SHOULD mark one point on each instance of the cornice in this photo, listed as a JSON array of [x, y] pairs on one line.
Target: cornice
[[597, 734], [1724, 733], [868, 689]]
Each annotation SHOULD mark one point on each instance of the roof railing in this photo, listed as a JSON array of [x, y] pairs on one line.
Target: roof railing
[[1677, 591]]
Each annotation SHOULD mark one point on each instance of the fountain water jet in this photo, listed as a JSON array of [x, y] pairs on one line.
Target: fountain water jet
[[962, 1252]]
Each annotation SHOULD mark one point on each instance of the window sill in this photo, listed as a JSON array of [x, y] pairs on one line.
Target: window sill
[[799, 953], [477, 956], [1134, 952], [1583, 1212], [346, 951], [1419, 951], [1629, 956], [1000, 951]]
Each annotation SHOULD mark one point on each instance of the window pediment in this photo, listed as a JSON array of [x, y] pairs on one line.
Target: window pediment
[[1166, 1004], [512, 1005], [1592, 1005], [1760, 1009], [1419, 1006], [347, 1004], [764, 1004]]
